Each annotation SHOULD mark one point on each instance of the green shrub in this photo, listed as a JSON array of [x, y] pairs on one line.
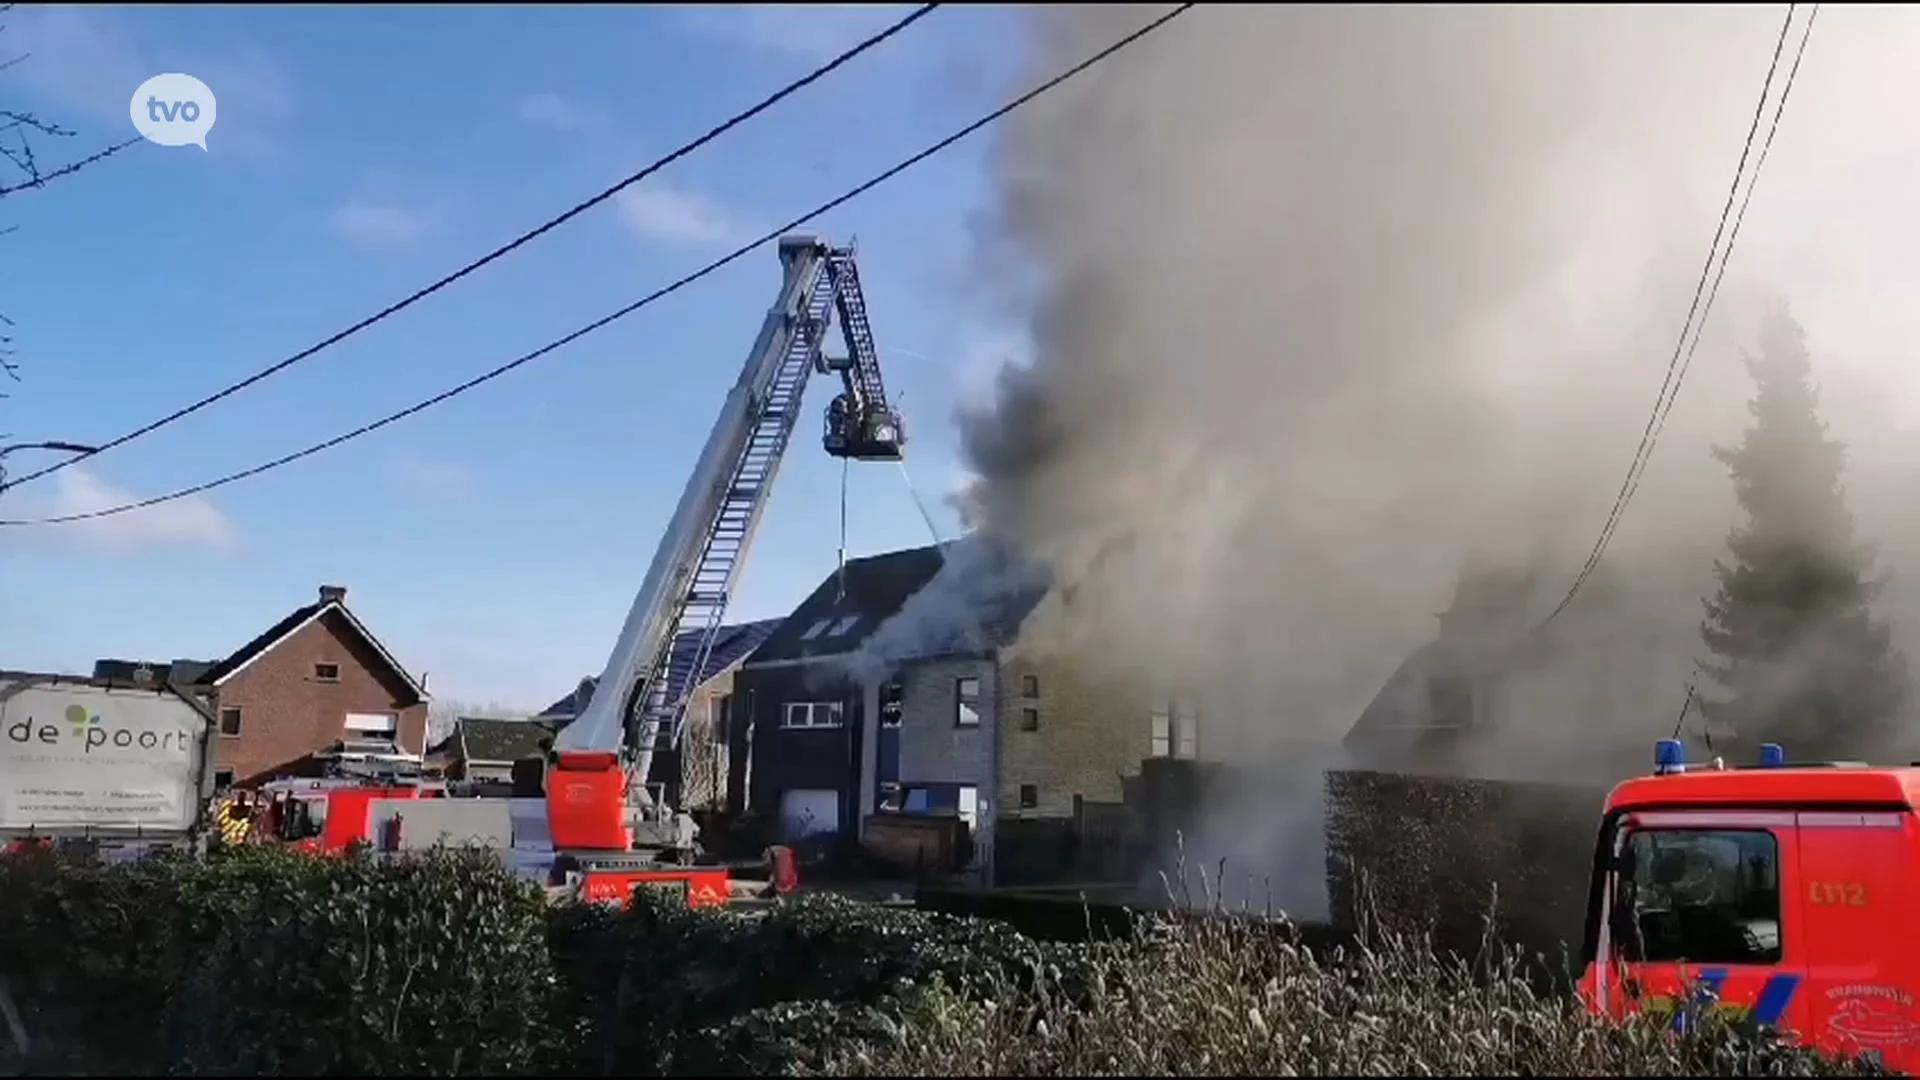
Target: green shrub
[[261, 961], [269, 963], [667, 990]]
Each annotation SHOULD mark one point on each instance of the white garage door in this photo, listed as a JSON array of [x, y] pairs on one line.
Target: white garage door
[[808, 811]]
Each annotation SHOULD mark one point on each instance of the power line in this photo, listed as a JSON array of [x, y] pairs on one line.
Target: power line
[[735, 121], [1684, 348], [658, 294]]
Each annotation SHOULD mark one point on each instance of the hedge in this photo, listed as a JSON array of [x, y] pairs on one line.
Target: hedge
[[1437, 855], [263, 962]]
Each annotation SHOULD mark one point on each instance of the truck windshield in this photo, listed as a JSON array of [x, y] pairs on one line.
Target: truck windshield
[[1702, 896]]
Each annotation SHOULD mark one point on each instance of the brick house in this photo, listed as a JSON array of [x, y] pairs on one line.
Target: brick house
[[316, 679]]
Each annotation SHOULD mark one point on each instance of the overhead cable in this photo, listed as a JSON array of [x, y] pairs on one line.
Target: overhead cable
[[1704, 294], [495, 255], [658, 294]]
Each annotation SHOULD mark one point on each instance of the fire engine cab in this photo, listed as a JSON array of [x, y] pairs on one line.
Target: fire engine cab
[[1782, 893]]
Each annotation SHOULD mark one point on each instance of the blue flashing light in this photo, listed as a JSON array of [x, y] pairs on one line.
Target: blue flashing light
[[1772, 755], [1669, 755]]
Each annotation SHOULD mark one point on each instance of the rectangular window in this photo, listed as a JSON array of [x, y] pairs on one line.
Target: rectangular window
[[1029, 719], [384, 725], [1029, 796], [1186, 729], [1161, 734], [966, 702], [1030, 686], [222, 779], [722, 718], [892, 701], [816, 629], [326, 672], [1699, 896], [230, 722], [843, 626], [811, 715]]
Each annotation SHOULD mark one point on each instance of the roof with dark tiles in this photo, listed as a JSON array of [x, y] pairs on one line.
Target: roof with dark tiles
[[487, 739]]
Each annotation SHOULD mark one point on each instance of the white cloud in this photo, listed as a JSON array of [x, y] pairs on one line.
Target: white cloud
[[83, 63], [816, 32], [555, 112], [77, 58], [193, 522], [658, 212], [380, 225], [438, 480]]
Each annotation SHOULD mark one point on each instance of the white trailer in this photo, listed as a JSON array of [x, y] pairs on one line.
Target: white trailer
[[128, 766]]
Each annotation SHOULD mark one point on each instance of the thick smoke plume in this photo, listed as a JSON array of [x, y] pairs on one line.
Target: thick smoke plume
[[1329, 304]]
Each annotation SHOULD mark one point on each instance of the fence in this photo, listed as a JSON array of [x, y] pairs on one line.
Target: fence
[[1101, 842]]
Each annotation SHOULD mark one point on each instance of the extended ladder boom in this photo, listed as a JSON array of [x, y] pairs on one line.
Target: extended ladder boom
[[640, 700]]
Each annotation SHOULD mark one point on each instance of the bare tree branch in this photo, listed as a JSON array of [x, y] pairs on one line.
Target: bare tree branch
[[19, 132], [39, 179]]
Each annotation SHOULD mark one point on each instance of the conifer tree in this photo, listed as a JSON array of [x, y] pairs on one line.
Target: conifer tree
[[1795, 646]]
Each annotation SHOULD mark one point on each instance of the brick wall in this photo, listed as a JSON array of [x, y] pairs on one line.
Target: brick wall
[[287, 713], [933, 748], [1091, 732]]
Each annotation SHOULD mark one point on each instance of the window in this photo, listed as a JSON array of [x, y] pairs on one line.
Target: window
[[1699, 896], [222, 779], [811, 714], [383, 725], [1030, 686], [230, 722], [966, 702], [1029, 796], [967, 805], [815, 630], [1186, 729], [843, 626], [1175, 730], [892, 698], [722, 718], [326, 672], [1029, 719]]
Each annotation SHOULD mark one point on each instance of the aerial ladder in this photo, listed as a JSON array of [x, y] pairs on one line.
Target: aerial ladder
[[603, 817]]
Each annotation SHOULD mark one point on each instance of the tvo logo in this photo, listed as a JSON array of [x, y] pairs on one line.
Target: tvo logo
[[173, 110]]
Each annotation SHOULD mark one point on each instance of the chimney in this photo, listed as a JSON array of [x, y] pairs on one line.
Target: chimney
[[333, 594]]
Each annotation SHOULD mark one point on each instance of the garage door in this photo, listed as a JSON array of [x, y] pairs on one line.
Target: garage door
[[807, 812]]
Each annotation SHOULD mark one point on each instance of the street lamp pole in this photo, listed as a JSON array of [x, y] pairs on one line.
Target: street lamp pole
[[53, 445]]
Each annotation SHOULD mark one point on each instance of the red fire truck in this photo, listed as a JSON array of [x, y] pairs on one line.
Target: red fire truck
[[1782, 893]]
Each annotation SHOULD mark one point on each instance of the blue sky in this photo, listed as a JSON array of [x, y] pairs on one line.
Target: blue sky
[[496, 541]]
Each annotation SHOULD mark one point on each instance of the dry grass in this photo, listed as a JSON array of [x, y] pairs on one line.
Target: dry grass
[[1224, 998], [1212, 996]]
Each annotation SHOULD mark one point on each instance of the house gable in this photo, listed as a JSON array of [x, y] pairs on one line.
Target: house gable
[[332, 607]]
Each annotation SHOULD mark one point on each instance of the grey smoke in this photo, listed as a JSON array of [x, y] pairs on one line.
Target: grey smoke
[[1325, 302]]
